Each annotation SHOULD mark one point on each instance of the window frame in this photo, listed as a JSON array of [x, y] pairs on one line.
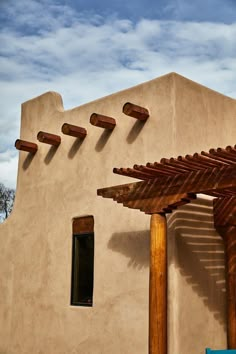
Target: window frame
[[76, 235]]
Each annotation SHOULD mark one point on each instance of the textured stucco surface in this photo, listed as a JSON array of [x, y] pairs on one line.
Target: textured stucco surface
[[60, 184]]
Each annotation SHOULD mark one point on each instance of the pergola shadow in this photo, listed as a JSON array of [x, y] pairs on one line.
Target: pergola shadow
[[199, 254]]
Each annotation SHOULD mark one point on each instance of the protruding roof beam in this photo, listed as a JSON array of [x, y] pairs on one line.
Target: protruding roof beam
[[49, 138], [74, 130], [101, 121], [26, 146], [135, 111]]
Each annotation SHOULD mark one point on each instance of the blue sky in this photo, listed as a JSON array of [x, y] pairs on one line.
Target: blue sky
[[86, 49]]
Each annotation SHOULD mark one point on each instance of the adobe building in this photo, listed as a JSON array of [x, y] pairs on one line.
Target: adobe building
[[54, 299]]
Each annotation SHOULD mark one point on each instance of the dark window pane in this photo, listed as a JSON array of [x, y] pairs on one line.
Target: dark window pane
[[82, 269]]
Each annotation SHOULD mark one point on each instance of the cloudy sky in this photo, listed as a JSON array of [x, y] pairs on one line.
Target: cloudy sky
[[85, 49]]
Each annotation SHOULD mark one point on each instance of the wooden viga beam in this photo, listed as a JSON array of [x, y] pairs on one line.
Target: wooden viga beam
[[225, 223], [49, 138], [101, 121], [74, 130], [135, 111], [24, 145]]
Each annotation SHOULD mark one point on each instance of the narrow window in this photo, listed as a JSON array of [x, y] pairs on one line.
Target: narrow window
[[82, 261]]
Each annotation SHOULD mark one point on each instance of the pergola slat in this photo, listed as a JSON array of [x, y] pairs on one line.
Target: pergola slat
[[182, 165], [217, 157], [168, 170]]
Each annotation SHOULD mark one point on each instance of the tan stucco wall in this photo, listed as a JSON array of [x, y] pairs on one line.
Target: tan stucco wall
[[57, 185]]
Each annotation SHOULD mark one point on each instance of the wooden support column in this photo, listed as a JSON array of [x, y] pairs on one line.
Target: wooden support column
[[230, 252], [158, 285]]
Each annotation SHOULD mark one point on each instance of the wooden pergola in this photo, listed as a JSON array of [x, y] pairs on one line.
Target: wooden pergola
[[165, 186]]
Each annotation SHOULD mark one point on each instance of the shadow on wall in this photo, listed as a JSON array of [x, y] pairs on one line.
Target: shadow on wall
[[50, 154], [103, 140], [198, 252], [27, 162], [133, 245], [135, 131], [75, 147]]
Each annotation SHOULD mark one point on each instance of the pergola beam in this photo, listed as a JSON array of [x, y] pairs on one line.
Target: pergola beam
[[139, 195], [159, 205]]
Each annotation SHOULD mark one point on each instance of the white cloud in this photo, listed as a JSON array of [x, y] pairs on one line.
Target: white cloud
[[84, 57], [8, 168]]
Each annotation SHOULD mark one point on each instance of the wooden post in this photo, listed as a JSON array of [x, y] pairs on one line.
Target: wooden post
[[158, 286], [230, 252]]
